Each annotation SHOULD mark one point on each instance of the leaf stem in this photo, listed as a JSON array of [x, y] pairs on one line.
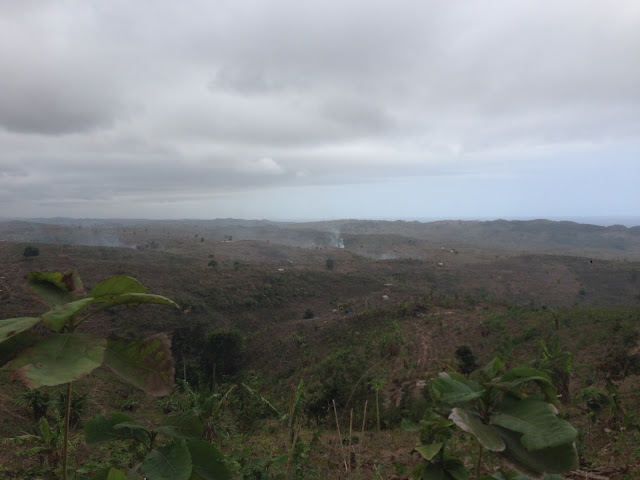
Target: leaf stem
[[88, 315], [65, 445], [479, 462]]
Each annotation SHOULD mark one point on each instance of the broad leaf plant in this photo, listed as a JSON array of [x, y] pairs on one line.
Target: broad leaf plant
[[65, 355], [512, 414]]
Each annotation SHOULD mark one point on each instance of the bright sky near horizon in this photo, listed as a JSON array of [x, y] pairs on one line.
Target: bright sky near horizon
[[320, 109]]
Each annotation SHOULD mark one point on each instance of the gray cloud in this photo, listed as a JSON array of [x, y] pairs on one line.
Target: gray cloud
[[163, 100]]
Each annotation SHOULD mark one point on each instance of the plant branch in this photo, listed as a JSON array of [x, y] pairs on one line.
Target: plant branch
[[65, 445], [88, 315], [335, 411]]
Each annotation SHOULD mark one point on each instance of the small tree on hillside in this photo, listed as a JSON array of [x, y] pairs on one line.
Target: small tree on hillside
[[30, 252], [222, 355], [329, 264], [467, 360]]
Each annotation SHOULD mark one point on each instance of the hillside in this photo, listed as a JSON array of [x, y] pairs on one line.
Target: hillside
[[365, 237], [392, 306]]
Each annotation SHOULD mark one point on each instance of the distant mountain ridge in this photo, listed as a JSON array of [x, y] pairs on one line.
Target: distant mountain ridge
[[543, 236]]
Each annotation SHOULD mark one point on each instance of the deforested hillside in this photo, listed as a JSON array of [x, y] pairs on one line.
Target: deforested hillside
[[366, 324]]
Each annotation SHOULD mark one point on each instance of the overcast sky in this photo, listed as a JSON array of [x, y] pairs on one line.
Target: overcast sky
[[320, 109]]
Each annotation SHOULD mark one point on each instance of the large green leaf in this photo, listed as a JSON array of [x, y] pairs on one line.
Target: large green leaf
[[117, 286], [57, 318], [183, 425], [45, 430], [170, 462], [134, 299], [433, 472], [486, 435], [13, 326], [536, 421], [429, 451], [507, 476], [59, 359], [207, 462], [491, 369], [109, 473], [520, 375], [101, 429], [455, 468], [452, 392], [11, 348], [523, 375], [559, 459], [55, 288], [409, 426], [146, 364]]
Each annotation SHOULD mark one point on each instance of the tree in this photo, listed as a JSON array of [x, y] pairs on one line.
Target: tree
[[329, 264], [466, 359], [187, 345], [213, 263], [30, 252], [222, 354]]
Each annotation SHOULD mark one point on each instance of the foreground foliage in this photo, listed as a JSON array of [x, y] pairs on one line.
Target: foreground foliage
[[513, 415], [66, 355]]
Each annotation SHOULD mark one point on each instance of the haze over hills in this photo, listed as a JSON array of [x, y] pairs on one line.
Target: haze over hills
[[367, 237], [516, 261]]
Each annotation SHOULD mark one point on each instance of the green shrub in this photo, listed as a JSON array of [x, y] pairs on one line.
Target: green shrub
[[37, 401], [343, 377], [31, 252], [466, 359], [76, 408], [222, 356]]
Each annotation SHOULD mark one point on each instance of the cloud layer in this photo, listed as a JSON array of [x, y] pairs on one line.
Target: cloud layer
[[209, 105]]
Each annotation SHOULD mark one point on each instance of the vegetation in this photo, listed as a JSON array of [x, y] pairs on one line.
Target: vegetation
[[467, 360], [66, 355], [512, 415], [30, 252], [383, 382]]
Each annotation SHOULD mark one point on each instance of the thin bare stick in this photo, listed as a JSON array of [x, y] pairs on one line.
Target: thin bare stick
[[293, 447], [65, 446], [350, 434], [364, 416], [344, 458], [361, 440]]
